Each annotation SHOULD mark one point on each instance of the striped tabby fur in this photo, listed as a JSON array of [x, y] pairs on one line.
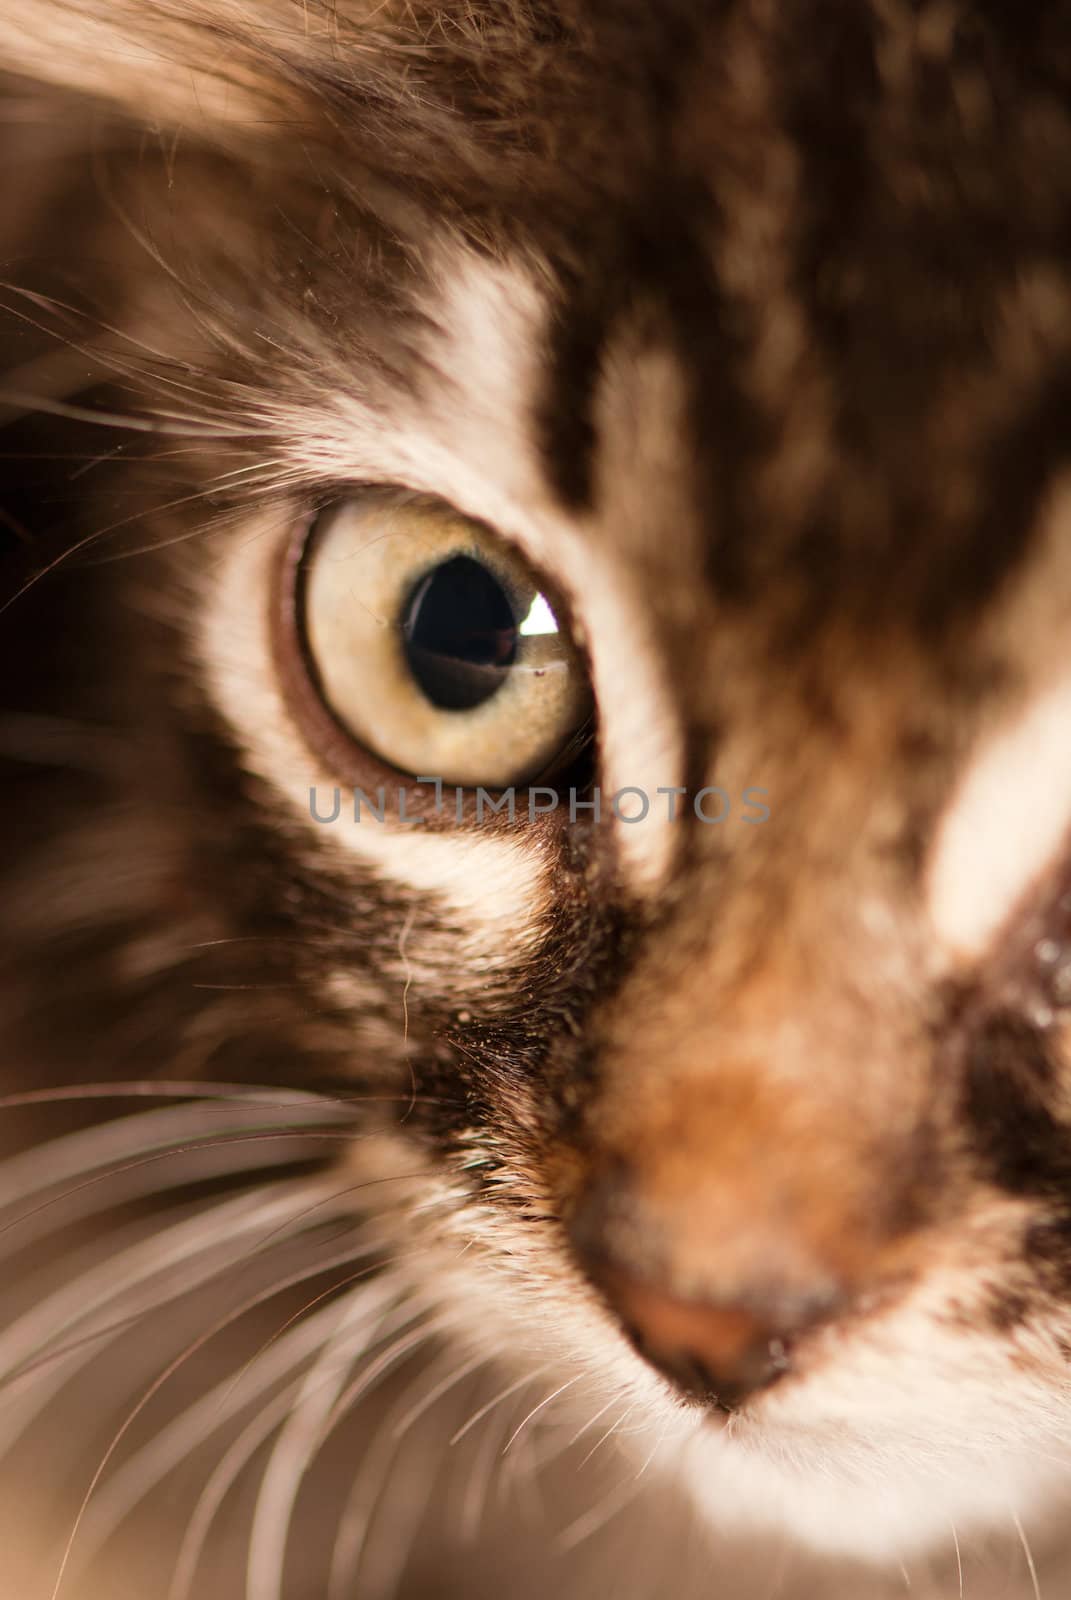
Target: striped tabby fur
[[326, 1148]]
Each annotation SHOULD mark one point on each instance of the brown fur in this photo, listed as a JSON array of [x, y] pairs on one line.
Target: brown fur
[[770, 341]]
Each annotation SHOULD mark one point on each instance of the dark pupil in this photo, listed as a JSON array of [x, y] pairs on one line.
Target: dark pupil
[[460, 634]]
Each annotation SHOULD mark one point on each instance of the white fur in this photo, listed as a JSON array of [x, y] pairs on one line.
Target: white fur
[[468, 439], [1007, 822], [903, 1429], [495, 888]]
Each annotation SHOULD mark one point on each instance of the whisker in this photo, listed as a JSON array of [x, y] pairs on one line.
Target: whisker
[[379, 1580], [779, 1569], [219, 1484], [455, 1376], [150, 1260], [192, 498], [59, 408], [1028, 1553], [266, 1557], [95, 461], [519, 1383], [83, 1294], [173, 1366], [298, 1443], [72, 1347], [150, 1465], [57, 372], [166, 1451], [20, 1416], [598, 1516], [365, 1495], [303, 1311], [540, 1407], [209, 1141], [40, 1168], [66, 376], [514, 1480], [403, 957], [655, 1448], [89, 539], [590, 1422], [478, 1490], [225, 1094], [334, 1197], [210, 1094], [388, 1358], [52, 303], [608, 1434]]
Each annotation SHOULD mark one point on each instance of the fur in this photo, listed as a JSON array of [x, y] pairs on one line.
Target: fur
[[749, 326]]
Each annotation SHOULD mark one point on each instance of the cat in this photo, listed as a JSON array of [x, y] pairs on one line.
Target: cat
[[536, 671]]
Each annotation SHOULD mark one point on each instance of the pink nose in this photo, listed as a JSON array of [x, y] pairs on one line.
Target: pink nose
[[718, 1353]]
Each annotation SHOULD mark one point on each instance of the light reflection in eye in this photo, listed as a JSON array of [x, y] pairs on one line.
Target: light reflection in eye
[[452, 685], [540, 618]]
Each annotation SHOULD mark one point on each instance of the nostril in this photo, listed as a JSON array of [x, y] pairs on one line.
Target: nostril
[[689, 1374], [727, 1385], [720, 1345], [685, 1371], [714, 1353]]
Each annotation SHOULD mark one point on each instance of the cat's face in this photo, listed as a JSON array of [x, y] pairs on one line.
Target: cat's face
[[671, 403]]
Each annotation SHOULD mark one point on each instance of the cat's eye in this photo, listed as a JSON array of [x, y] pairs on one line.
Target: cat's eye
[[436, 646]]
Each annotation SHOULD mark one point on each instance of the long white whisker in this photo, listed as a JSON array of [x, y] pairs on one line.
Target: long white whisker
[[608, 1434], [150, 1465], [195, 1146], [455, 1376], [591, 1421], [540, 1407], [212, 1496], [779, 1571], [295, 1448], [43, 1167], [356, 1520], [268, 1542], [520, 1472], [382, 1363], [518, 1383], [1028, 1553], [207, 1233], [478, 1488], [599, 1515], [645, 1464], [207, 1095], [379, 1580], [158, 1382], [206, 1242], [263, 1425], [31, 403]]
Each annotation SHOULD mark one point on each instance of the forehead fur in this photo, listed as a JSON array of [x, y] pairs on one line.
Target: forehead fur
[[856, 252]]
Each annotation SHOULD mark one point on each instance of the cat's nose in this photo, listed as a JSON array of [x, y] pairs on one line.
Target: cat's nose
[[720, 1353], [718, 1300]]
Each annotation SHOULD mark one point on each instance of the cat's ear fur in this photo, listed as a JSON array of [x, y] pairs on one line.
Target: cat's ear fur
[[217, 69]]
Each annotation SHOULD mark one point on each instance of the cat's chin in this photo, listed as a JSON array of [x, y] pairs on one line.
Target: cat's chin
[[896, 1438], [876, 1495]]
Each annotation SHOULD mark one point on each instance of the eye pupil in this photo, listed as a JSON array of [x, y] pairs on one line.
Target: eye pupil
[[460, 634]]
